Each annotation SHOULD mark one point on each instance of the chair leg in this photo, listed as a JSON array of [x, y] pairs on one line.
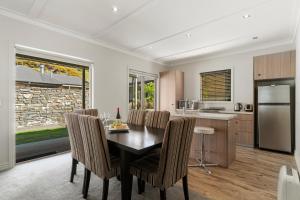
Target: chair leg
[[185, 187], [87, 174], [163, 194], [119, 178], [105, 189], [73, 170], [141, 186]]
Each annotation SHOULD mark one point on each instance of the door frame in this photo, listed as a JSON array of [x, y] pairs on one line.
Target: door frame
[[13, 50]]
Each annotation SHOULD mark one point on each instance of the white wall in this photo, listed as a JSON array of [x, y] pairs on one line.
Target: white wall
[[110, 69], [297, 153], [242, 65]]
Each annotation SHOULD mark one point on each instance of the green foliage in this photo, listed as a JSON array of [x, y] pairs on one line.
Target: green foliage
[[149, 89], [55, 68]]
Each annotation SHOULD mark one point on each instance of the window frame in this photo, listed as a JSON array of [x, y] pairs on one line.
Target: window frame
[[67, 64], [143, 74], [231, 88]]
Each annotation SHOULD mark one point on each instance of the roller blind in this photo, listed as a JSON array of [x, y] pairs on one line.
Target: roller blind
[[216, 85]]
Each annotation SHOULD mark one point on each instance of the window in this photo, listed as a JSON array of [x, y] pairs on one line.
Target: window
[[142, 90], [216, 85]]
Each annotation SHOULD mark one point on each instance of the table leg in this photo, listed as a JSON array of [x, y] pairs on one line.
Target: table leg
[[126, 177]]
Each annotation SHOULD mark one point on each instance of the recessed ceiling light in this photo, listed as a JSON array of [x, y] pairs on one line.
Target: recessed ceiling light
[[246, 16], [150, 47], [255, 38], [188, 35], [115, 9]]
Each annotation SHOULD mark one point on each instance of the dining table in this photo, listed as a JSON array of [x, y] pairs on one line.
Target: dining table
[[133, 144]]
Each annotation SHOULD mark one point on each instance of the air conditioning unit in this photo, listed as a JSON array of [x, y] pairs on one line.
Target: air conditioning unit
[[288, 184]]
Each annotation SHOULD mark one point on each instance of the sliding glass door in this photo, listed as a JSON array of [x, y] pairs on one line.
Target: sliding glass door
[[45, 90], [142, 90]]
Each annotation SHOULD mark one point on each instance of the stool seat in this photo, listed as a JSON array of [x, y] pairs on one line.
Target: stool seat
[[204, 130]]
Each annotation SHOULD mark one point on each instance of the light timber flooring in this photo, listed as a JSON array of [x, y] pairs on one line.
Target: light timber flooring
[[252, 176]]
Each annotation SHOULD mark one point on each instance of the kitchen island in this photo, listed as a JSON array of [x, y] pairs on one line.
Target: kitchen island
[[220, 148]]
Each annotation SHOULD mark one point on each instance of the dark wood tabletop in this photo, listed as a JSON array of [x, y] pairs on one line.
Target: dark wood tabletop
[[138, 141]]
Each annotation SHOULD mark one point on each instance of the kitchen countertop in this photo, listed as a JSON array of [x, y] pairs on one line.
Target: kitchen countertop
[[236, 112], [202, 115], [222, 111]]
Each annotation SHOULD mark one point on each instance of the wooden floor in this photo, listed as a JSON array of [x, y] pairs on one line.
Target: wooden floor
[[252, 176]]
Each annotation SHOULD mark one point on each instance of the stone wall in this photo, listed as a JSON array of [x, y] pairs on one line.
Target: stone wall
[[44, 106]]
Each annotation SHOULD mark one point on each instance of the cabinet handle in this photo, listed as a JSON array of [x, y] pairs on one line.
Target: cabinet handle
[[259, 74]]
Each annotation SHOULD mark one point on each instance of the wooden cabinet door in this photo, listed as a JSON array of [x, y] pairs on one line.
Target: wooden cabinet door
[[167, 91], [163, 85], [293, 63], [273, 66], [245, 130], [286, 66], [179, 89], [260, 67]]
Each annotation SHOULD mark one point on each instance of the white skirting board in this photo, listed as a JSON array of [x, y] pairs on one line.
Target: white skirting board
[[4, 167]]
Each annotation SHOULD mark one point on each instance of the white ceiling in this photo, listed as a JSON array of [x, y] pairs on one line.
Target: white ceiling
[[158, 29]]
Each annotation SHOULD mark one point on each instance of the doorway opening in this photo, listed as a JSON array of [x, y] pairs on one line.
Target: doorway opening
[[45, 90]]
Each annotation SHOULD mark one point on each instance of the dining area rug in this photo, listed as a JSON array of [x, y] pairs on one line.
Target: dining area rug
[[48, 179]]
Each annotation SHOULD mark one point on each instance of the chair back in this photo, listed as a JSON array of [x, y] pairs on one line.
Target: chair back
[[97, 158], [157, 119], [136, 117], [91, 112], [75, 137], [173, 164]]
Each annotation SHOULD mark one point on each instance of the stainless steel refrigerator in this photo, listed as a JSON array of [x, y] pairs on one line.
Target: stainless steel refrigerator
[[274, 117]]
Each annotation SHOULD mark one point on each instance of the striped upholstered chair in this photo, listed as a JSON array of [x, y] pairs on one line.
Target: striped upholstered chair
[[172, 165], [75, 137], [136, 117], [91, 112], [97, 157], [75, 141], [157, 119]]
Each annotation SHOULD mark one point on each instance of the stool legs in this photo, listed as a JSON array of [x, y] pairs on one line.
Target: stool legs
[[201, 161]]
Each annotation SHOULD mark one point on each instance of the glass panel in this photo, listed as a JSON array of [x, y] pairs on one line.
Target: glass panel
[[149, 93], [45, 90], [87, 88], [134, 91]]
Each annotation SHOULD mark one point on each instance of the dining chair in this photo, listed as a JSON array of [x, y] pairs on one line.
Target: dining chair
[[136, 117], [157, 119], [76, 143], [76, 139], [172, 165], [97, 156], [91, 112]]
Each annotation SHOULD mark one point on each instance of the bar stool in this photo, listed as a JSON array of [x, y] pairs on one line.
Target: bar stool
[[204, 131]]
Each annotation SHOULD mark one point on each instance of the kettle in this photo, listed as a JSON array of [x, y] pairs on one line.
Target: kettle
[[238, 107]]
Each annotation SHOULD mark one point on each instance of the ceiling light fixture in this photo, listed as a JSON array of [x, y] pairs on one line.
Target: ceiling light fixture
[[188, 35], [115, 9], [150, 47], [255, 38], [246, 16]]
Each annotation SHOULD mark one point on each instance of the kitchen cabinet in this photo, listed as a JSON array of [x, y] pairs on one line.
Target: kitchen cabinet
[[220, 147], [245, 130], [274, 66], [171, 84]]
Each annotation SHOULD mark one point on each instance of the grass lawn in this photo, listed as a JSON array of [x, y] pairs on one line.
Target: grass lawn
[[40, 135]]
